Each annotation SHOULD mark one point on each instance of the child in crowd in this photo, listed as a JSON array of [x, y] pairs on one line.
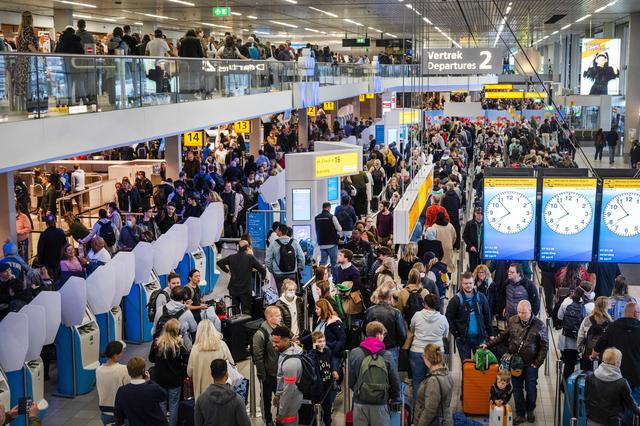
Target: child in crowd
[[328, 373], [502, 389]]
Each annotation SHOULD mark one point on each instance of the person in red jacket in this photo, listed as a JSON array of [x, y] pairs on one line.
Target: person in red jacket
[[433, 209]]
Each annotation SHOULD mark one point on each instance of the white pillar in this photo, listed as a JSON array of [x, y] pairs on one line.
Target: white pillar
[[303, 128], [8, 208], [632, 114], [62, 18], [256, 136], [173, 155]]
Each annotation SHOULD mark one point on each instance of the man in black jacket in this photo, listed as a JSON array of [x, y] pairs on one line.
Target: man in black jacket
[[362, 252], [129, 198], [469, 317], [138, 402], [472, 236], [50, 246], [241, 265], [390, 317], [327, 228], [145, 189]]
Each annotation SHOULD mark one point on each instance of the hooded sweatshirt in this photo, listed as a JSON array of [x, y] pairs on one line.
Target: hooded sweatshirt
[[289, 374], [219, 404], [372, 345], [428, 327], [608, 395]]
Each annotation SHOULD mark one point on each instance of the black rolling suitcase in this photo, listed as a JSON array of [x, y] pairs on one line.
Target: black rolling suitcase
[[185, 412], [235, 334], [257, 304]]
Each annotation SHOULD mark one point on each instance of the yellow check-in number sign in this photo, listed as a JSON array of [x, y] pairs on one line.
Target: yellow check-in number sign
[[371, 95], [311, 111], [329, 106], [337, 164], [194, 139], [362, 98], [243, 126]]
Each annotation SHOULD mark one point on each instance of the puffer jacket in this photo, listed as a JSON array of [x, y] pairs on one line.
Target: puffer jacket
[[607, 396], [264, 354], [286, 313], [433, 405], [535, 346]]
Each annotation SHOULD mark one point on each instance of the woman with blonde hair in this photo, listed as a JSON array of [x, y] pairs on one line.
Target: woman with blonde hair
[[433, 402], [407, 260], [485, 285], [207, 347], [170, 357], [591, 328]]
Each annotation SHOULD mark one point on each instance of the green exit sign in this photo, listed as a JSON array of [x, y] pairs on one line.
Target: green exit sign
[[360, 40], [221, 11]]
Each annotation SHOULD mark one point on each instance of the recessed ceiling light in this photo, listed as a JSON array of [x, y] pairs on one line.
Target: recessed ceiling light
[[427, 21], [75, 3], [583, 18], [375, 29], [391, 35], [312, 30], [353, 22], [138, 23], [284, 24], [409, 6], [186, 3], [151, 15], [252, 17], [79, 15], [236, 13], [291, 1], [333, 15], [565, 27], [215, 25]]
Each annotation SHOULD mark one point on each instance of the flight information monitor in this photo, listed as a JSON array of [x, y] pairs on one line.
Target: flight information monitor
[[509, 230], [620, 221], [567, 222]]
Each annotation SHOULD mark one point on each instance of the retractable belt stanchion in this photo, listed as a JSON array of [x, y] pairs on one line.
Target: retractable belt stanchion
[[347, 391], [557, 415], [252, 389], [548, 360]]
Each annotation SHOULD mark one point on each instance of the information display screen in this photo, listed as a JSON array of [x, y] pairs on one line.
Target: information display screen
[[301, 202], [620, 221], [301, 232], [509, 230], [332, 189], [566, 226]]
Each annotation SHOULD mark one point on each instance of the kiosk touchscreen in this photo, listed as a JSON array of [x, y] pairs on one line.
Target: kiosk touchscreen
[[194, 258], [137, 326]]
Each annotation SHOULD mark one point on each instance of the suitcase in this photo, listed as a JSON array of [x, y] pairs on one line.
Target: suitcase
[[235, 335], [500, 416], [476, 387], [348, 418], [400, 412], [574, 405], [185, 412]]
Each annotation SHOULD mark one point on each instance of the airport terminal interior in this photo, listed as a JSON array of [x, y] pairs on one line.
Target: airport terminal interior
[[297, 212]]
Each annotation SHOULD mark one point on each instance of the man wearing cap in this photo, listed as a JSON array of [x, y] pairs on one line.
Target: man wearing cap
[[241, 265], [14, 260], [472, 236], [178, 198]]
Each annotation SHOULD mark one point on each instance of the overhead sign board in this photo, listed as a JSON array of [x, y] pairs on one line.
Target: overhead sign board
[[329, 106], [311, 111], [465, 61], [337, 164], [193, 139], [361, 98], [221, 11], [243, 126], [371, 95]]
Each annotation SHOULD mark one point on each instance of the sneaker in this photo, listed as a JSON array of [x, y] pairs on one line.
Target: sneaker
[[531, 417], [518, 420]]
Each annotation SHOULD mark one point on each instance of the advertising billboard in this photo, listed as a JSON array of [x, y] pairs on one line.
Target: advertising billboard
[[600, 66]]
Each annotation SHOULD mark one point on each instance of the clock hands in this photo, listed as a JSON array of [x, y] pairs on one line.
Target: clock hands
[[626, 215], [625, 212], [565, 210]]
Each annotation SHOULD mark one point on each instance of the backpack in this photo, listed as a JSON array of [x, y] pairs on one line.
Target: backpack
[[229, 53], [573, 316], [345, 219], [287, 262], [254, 53], [593, 335], [107, 233], [310, 380], [414, 304], [165, 317], [391, 159], [141, 152], [151, 306], [372, 385], [377, 177], [616, 308]]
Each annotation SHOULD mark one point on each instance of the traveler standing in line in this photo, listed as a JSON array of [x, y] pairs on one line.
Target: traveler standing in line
[[433, 400], [288, 397], [170, 358], [607, 393], [528, 342], [346, 271], [176, 308], [23, 230], [265, 358], [207, 348], [472, 236], [240, 266], [193, 298], [139, 403], [519, 288], [624, 335], [390, 317], [145, 189], [572, 312], [109, 377], [599, 142], [384, 224], [219, 404], [327, 229], [292, 307], [284, 257], [167, 217], [103, 228], [85, 36], [346, 215], [446, 234], [469, 317], [619, 298], [592, 327], [373, 378], [50, 245], [78, 179], [149, 225], [452, 204]]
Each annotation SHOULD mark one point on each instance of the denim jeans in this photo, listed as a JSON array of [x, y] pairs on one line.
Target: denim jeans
[[528, 383], [612, 154], [171, 404], [330, 254], [107, 419], [268, 386], [418, 373], [466, 345], [395, 351], [628, 415]]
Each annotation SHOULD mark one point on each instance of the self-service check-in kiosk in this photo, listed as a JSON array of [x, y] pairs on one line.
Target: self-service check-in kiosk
[[5, 393], [194, 258], [137, 325], [101, 290], [13, 352], [165, 256], [211, 225], [77, 341]]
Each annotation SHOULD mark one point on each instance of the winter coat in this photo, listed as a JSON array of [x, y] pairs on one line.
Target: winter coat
[[607, 396], [433, 405], [536, 343]]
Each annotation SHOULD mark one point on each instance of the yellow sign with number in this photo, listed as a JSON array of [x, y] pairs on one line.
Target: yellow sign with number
[[329, 106], [371, 95], [311, 111], [337, 164], [361, 98], [193, 139], [243, 126]]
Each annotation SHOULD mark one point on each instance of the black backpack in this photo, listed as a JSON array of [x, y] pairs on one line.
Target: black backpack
[[165, 317], [414, 304], [573, 316], [593, 335], [310, 383], [151, 306], [287, 262], [107, 233]]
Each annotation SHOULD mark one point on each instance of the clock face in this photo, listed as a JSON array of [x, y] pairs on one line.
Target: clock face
[[568, 213], [509, 212], [622, 214]]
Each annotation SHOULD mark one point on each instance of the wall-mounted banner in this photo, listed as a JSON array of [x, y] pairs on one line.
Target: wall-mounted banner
[[235, 67], [600, 66], [465, 61]]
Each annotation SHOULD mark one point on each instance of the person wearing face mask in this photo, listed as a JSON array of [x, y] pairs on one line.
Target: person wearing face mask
[[291, 307], [129, 235], [241, 266]]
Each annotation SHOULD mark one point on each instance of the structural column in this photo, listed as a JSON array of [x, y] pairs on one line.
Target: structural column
[[148, 27], [7, 208], [173, 155], [62, 18], [356, 106], [303, 128], [256, 136], [632, 113]]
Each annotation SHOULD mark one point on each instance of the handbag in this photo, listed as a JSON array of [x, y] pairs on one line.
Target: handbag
[[409, 340], [514, 362]]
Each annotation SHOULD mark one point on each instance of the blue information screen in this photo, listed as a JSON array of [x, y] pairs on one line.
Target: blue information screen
[[379, 134], [509, 229], [256, 226], [567, 222], [332, 189], [620, 221]]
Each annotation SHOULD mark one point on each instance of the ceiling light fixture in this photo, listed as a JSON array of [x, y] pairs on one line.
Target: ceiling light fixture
[[79, 15], [262, 32], [565, 27], [333, 15], [391, 35], [75, 3], [353, 22], [138, 23], [583, 18], [409, 6], [284, 24], [151, 15], [186, 3], [215, 25], [374, 29], [312, 30], [252, 17], [555, 32], [291, 1], [236, 13], [427, 21]]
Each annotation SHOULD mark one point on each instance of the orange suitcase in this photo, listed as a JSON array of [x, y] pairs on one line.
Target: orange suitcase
[[476, 387]]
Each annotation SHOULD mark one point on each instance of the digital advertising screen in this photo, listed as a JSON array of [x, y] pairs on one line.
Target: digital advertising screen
[[332, 189], [301, 203], [567, 223], [600, 66], [509, 229], [620, 221]]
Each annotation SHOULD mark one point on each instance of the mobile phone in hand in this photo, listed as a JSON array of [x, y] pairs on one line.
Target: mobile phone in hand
[[23, 405]]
